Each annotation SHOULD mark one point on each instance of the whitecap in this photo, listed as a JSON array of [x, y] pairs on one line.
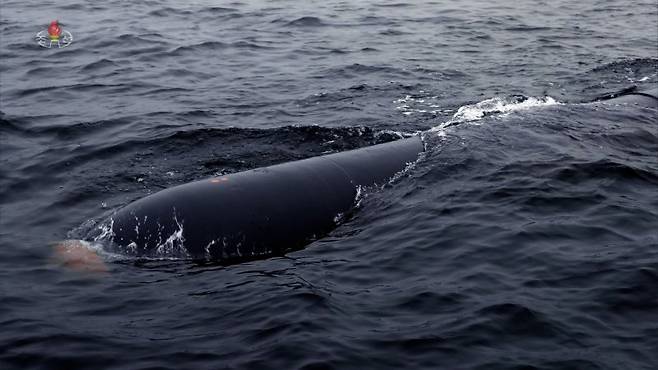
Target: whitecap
[[496, 105]]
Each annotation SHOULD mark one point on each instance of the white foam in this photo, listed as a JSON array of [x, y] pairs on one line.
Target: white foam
[[106, 231], [100, 250], [360, 194], [174, 245], [496, 105], [647, 78], [409, 104]]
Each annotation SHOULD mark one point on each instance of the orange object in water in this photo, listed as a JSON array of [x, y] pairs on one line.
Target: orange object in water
[[77, 256], [54, 31]]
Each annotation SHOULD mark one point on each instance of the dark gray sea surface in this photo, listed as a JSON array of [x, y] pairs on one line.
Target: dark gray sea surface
[[524, 238]]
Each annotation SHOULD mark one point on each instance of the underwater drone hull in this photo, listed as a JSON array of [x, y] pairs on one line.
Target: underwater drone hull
[[271, 210], [265, 211]]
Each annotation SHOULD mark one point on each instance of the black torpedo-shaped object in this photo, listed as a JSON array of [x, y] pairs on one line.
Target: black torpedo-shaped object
[[264, 211]]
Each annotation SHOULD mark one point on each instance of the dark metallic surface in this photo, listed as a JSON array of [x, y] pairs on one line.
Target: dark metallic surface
[[261, 212]]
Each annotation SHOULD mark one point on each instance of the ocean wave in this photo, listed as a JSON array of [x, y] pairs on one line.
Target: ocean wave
[[307, 21], [495, 106]]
